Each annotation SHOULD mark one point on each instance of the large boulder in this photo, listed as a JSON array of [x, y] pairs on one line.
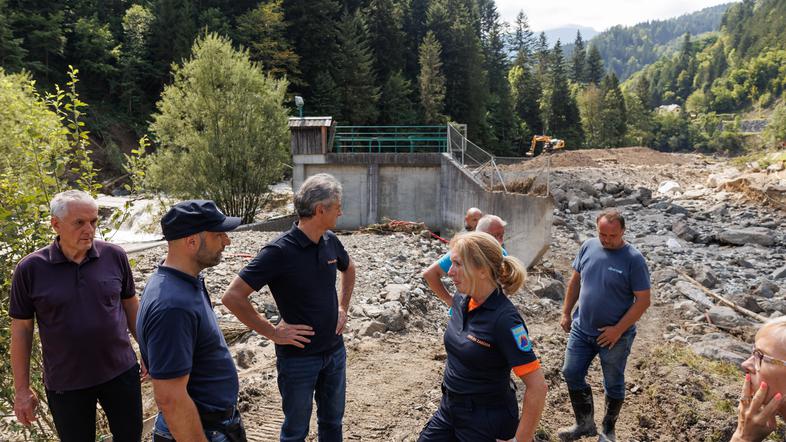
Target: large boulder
[[684, 231], [722, 347], [393, 316], [551, 289], [726, 318], [750, 235]]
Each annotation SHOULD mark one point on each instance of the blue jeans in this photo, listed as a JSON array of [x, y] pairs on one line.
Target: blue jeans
[[161, 430], [303, 379], [582, 349]]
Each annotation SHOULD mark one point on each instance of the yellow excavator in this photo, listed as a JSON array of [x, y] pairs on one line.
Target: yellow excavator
[[544, 143]]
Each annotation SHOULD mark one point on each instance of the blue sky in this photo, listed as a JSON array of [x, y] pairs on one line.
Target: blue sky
[[598, 14]]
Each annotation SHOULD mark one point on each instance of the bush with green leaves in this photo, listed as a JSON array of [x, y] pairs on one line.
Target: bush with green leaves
[[43, 150], [222, 130], [775, 132]]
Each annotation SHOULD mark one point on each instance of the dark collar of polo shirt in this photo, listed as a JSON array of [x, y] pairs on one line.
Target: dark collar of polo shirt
[[302, 239], [196, 282], [56, 255]]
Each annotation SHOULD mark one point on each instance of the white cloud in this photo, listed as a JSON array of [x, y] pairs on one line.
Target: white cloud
[[598, 14]]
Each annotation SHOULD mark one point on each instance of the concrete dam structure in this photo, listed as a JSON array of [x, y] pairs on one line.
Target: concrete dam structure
[[421, 180]]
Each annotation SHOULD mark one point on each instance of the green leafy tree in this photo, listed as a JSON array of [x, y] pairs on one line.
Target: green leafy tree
[[173, 33], [98, 52], [775, 132], [590, 102], [396, 106], [134, 60], [431, 80], [44, 40], [326, 99], [263, 31], [353, 70], [222, 129], [500, 115], [43, 151], [639, 118], [525, 92]]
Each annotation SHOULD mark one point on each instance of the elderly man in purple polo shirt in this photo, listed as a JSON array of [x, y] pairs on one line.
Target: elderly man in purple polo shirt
[[80, 291]]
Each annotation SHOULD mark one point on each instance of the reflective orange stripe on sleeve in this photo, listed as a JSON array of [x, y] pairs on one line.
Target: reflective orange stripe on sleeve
[[525, 369]]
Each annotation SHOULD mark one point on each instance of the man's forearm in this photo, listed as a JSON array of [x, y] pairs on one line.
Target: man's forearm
[[571, 295], [21, 348], [433, 277], [182, 418], [347, 286], [131, 308], [242, 308]]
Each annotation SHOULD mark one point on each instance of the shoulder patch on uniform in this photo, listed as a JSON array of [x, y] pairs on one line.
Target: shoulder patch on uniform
[[521, 338]]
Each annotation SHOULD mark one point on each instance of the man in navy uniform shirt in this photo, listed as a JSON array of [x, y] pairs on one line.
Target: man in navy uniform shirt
[[300, 269], [194, 377], [611, 284]]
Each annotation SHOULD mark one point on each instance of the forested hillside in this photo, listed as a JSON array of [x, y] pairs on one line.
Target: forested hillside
[[627, 49], [742, 67], [407, 62]]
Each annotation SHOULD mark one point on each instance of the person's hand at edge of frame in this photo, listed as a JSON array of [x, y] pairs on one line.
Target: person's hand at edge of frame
[[755, 418]]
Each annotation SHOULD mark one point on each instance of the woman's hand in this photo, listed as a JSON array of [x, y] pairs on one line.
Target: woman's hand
[[755, 418]]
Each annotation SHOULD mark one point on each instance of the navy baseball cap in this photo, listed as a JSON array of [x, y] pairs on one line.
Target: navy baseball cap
[[194, 216]]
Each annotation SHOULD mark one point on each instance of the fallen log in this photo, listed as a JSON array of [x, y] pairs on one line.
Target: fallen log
[[723, 300]]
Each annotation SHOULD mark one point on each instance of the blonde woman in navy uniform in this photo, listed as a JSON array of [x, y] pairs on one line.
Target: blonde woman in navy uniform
[[485, 340]]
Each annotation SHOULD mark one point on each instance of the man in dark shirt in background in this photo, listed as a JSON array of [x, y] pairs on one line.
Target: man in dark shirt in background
[[81, 293], [300, 269]]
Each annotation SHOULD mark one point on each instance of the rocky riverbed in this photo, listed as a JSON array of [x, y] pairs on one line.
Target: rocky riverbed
[[683, 377]]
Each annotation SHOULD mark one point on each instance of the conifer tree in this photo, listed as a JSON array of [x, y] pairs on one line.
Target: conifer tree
[[614, 122], [500, 107], [173, 33], [353, 71], [11, 51], [325, 98], [431, 80], [134, 60], [396, 106], [523, 38], [594, 66], [562, 114], [525, 96], [414, 30], [579, 60], [314, 36], [262, 30], [387, 42]]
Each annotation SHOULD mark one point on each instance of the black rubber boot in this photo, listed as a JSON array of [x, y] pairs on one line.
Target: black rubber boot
[[613, 407], [584, 410]]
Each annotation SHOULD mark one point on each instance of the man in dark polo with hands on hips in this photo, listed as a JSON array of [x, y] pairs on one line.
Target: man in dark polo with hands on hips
[[194, 377], [300, 268]]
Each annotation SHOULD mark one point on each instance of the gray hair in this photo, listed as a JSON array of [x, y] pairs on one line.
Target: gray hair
[[58, 207], [321, 188], [485, 222]]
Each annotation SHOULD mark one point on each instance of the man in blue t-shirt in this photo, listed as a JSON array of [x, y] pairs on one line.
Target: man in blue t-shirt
[[194, 377], [491, 224], [611, 283], [300, 268]]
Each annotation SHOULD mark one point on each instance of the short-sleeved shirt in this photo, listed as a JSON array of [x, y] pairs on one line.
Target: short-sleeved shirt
[[608, 280], [445, 261], [484, 344], [179, 335], [301, 275], [80, 316]]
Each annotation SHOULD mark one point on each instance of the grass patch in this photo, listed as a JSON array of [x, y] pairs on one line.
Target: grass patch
[[674, 354]]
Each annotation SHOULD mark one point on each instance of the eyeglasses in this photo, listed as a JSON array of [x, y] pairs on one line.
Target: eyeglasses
[[758, 357]]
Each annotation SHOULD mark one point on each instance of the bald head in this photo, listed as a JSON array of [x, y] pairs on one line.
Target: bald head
[[493, 225], [471, 218]]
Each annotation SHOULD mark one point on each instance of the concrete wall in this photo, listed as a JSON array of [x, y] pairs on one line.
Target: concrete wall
[[429, 188], [528, 233]]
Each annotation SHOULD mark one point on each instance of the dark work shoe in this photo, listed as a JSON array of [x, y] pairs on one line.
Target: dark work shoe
[[584, 409], [613, 407]]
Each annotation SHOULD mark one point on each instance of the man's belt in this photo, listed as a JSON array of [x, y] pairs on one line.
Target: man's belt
[[215, 419]]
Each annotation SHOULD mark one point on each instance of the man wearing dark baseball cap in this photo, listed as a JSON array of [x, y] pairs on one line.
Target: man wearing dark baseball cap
[[194, 376]]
